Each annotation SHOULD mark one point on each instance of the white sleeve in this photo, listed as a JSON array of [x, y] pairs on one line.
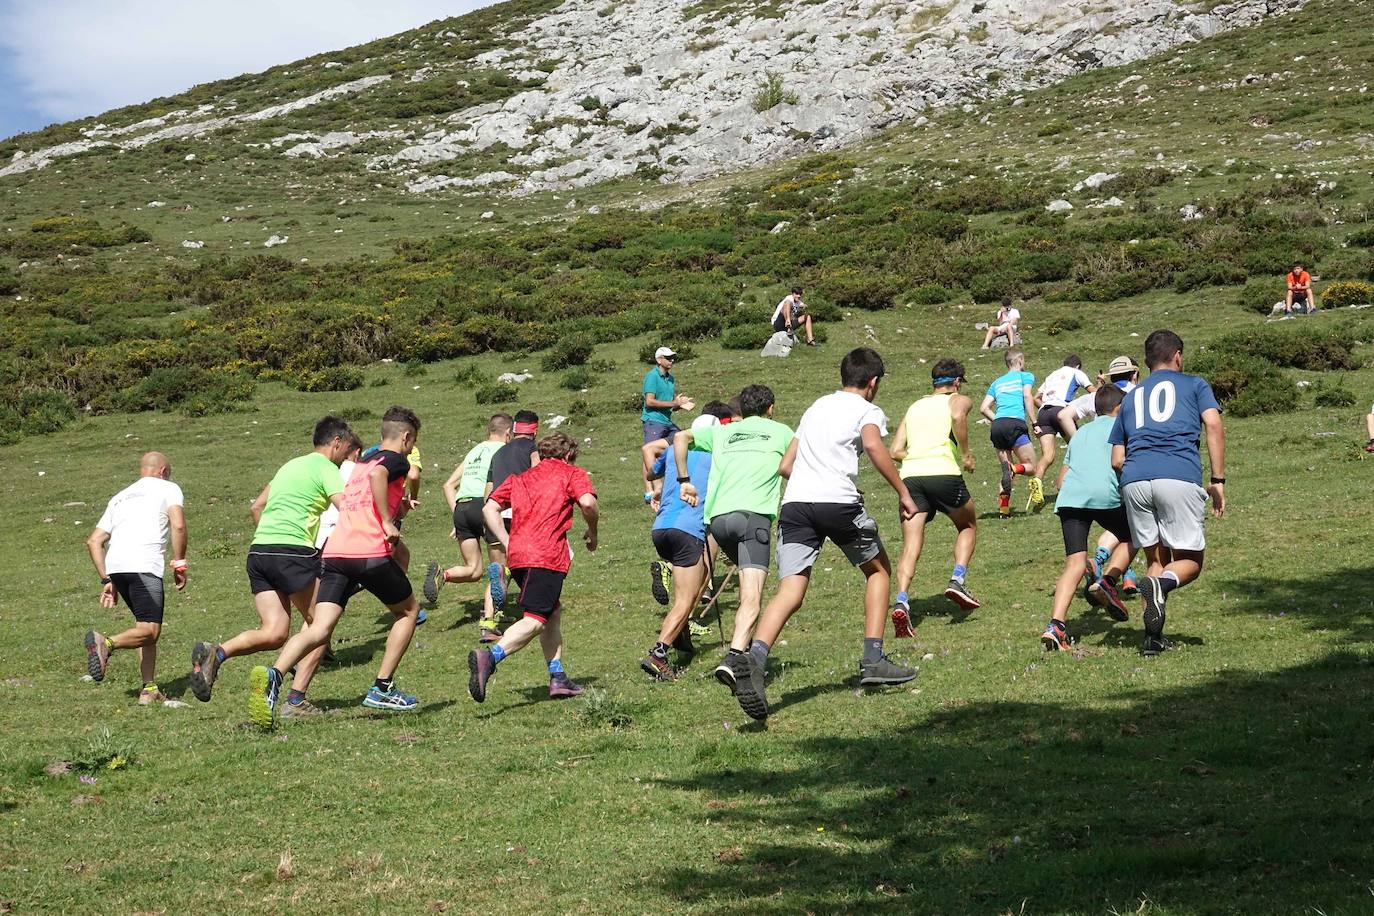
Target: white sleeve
[[874, 417], [1081, 378], [778, 311], [174, 495], [106, 523], [1014, 315]]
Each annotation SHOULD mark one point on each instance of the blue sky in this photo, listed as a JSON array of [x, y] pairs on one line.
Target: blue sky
[[65, 59]]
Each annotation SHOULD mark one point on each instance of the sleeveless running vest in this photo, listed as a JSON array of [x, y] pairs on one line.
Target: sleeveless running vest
[[930, 447]]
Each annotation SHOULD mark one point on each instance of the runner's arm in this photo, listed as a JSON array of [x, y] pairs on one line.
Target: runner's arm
[[686, 491], [378, 479], [1029, 397], [959, 408], [451, 485], [1216, 455], [413, 482], [882, 461], [986, 408], [259, 504], [898, 448], [491, 517], [176, 520], [1063, 472], [789, 458], [1118, 457], [96, 544], [590, 514], [650, 452]]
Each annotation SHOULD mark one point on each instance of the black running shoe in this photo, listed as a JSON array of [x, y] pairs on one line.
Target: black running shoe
[[731, 669], [434, 580], [683, 643], [1152, 596], [1154, 645], [750, 689], [884, 671], [960, 595], [659, 579]]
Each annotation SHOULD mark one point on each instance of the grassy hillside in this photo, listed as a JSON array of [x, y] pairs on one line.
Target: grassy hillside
[[1231, 775]]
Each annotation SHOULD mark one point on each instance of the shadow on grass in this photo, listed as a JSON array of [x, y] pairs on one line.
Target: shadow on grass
[[1246, 793], [533, 695], [1342, 605]]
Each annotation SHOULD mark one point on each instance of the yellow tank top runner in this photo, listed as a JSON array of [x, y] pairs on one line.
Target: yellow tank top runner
[[930, 448]]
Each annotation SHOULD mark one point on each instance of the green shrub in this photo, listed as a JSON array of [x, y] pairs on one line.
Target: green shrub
[[931, 294], [469, 374], [861, 290], [746, 337], [771, 93], [991, 287], [11, 423], [569, 351], [1333, 395], [576, 378], [646, 353], [590, 103], [1259, 296], [1061, 325], [45, 412], [1362, 237], [9, 283], [330, 378], [1245, 385], [1215, 273], [194, 390], [1308, 348], [1348, 292], [496, 393]]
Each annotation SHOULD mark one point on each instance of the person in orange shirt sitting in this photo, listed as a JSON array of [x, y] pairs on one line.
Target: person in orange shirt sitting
[[1300, 291]]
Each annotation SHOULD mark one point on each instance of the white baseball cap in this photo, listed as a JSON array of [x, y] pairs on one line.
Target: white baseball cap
[[705, 420], [664, 351]]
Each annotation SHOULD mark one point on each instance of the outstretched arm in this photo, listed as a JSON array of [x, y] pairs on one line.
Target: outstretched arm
[[176, 521], [259, 504], [451, 485], [986, 408]]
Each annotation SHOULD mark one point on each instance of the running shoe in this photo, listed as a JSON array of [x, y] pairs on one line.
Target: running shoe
[[683, 643], [150, 695], [1153, 645], [302, 710], [488, 631], [1037, 493], [497, 580], [264, 684], [97, 655], [434, 580], [1004, 510], [750, 688], [481, 666], [1055, 639], [883, 671], [731, 669], [390, 700], [699, 629], [1369, 446], [1130, 585], [960, 595], [562, 687], [1152, 595], [658, 668], [660, 579], [204, 670], [1092, 595], [1006, 480], [901, 620], [1110, 599], [421, 617]]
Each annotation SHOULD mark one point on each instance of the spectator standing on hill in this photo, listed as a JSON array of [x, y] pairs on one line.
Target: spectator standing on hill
[[1008, 319], [660, 400], [127, 548], [790, 313], [1155, 447], [1300, 291]]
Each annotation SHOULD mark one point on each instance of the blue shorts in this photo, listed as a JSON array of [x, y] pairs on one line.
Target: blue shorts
[[653, 429]]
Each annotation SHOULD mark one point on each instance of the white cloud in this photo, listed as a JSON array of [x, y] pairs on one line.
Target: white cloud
[[72, 58]]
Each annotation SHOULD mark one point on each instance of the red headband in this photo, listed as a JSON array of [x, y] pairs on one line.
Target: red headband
[[526, 429]]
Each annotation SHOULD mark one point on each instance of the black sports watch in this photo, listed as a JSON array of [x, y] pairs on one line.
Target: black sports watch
[[104, 580], [1221, 480], [687, 479]]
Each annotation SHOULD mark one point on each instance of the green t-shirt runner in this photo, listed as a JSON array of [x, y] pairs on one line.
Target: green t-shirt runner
[[744, 465], [297, 495], [473, 483]]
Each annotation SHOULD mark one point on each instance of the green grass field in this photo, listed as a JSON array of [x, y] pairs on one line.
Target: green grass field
[[1230, 775]]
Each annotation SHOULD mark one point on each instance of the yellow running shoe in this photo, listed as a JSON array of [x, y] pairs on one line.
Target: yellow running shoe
[[1037, 494]]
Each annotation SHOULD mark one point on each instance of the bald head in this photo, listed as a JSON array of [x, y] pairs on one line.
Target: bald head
[[154, 464]]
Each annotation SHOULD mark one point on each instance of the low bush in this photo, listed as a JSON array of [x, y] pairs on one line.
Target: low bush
[[852, 290], [1259, 296], [991, 287], [931, 294], [1061, 325], [746, 337], [576, 379], [646, 353], [1347, 292], [1245, 385], [496, 393], [45, 412], [1362, 237], [330, 378], [569, 351], [1308, 348], [193, 390], [1333, 395]]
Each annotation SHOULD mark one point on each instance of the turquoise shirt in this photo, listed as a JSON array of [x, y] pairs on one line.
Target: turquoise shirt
[[1091, 482], [663, 387], [1008, 391]]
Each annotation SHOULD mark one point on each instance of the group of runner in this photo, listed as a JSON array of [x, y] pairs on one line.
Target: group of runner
[[1135, 471]]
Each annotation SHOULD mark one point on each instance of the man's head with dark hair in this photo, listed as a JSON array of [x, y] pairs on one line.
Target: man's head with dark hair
[[1107, 399], [558, 445], [861, 366], [1297, 266], [499, 424], [397, 422], [1006, 302], [1073, 362], [735, 412], [946, 373], [755, 400], [796, 290], [330, 428], [1160, 348], [526, 423], [718, 409]]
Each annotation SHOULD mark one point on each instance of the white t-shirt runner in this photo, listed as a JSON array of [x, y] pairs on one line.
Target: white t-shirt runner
[[136, 519], [1085, 405], [829, 440], [1062, 385]]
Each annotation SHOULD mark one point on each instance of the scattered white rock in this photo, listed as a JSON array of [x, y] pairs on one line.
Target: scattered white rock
[[1095, 180], [276, 240], [1059, 206], [190, 244], [1190, 212], [556, 421], [514, 377], [488, 214], [154, 204], [780, 227]]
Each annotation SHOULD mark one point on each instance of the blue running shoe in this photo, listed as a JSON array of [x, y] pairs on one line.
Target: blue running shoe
[[390, 700], [498, 584], [264, 684], [421, 617]]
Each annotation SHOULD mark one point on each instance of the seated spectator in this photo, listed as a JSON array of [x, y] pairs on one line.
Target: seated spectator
[[1008, 318], [1300, 291], [791, 311], [1369, 428]]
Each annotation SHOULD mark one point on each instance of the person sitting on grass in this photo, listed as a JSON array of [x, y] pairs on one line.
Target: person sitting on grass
[[1300, 292], [1369, 428], [542, 501], [790, 313], [1008, 318]]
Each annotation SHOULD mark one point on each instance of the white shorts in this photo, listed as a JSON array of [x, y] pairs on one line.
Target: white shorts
[[1168, 512]]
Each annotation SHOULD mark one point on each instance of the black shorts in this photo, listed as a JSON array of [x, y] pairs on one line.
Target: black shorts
[[804, 527], [467, 521], [541, 591], [142, 592], [678, 547], [780, 325], [1008, 433], [343, 577], [286, 568], [1047, 421], [1299, 296], [744, 536], [942, 492], [1076, 523]]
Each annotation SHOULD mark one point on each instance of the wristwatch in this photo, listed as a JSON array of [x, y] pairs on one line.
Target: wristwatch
[[684, 479], [1220, 480], [104, 580]]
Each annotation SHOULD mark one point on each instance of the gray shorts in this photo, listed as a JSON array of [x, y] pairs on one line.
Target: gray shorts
[[744, 536], [804, 527], [1168, 512]]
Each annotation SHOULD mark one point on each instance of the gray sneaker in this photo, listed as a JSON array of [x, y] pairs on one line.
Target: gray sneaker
[[750, 687], [884, 671], [1152, 596], [302, 710]]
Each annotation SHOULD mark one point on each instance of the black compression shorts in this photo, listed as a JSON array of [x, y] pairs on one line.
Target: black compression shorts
[[467, 521], [142, 592], [286, 568], [678, 547], [1077, 522], [342, 577], [541, 591], [945, 493]]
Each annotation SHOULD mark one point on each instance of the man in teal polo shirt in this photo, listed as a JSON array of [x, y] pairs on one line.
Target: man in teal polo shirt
[[660, 400]]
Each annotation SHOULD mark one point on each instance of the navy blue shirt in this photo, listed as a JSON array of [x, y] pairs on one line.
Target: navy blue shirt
[[1160, 425]]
